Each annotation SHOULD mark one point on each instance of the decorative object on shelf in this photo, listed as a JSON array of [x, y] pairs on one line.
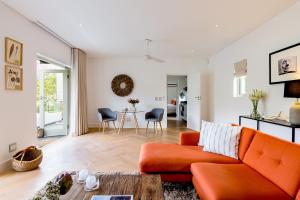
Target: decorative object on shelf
[[13, 78], [255, 97], [279, 116], [133, 102], [27, 159], [292, 90], [65, 182], [13, 52], [284, 65], [122, 85]]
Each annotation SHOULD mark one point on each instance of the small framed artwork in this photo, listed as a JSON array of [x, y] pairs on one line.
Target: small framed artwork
[[13, 52], [13, 78], [284, 65]]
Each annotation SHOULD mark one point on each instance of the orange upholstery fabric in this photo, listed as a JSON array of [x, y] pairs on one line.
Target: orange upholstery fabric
[[277, 160], [246, 138], [234, 182], [158, 157], [298, 195], [189, 138]]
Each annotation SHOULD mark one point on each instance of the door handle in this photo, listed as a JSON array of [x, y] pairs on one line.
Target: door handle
[[198, 98]]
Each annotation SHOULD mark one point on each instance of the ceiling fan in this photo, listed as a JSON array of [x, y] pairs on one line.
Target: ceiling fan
[[148, 56]]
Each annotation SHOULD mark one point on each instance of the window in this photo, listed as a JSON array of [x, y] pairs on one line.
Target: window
[[240, 77], [239, 86]]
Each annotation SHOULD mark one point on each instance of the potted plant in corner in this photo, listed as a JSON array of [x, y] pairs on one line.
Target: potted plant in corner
[[255, 97]]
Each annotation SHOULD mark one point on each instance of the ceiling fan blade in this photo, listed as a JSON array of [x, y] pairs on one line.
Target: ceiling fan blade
[[157, 59]]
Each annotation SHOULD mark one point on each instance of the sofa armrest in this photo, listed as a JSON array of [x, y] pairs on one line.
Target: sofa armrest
[[189, 138]]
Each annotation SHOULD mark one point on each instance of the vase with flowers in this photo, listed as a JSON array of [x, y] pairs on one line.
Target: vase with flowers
[[133, 102], [255, 97]]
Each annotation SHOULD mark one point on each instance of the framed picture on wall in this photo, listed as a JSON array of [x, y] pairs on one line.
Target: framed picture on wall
[[13, 78], [13, 52], [284, 65]]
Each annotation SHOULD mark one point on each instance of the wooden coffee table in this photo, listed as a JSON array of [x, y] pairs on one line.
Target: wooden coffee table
[[142, 187]]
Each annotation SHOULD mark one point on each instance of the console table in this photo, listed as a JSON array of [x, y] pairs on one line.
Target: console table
[[273, 121]]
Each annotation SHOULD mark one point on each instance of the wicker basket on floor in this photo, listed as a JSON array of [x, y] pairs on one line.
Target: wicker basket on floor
[[27, 159]]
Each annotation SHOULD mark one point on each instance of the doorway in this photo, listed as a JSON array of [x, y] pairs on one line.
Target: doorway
[[177, 101], [52, 100]]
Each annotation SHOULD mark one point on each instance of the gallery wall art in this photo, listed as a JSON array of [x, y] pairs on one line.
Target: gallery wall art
[[13, 52], [13, 78], [13, 69], [284, 65]]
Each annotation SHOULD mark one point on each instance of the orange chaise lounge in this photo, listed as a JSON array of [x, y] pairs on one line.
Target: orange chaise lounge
[[267, 168]]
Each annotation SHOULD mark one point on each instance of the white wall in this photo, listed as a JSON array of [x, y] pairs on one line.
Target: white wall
[[18, 109], [150, 81], [282, 31]]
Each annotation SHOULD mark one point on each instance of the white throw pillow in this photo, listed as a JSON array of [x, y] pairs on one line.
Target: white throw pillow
[[223, 139], [206, 128]]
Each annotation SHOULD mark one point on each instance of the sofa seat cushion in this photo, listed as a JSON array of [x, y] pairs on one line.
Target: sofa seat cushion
[[233, 181], [159, 157]]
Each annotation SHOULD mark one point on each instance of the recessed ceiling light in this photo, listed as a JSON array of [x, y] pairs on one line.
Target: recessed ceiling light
[[217, 25], [193, 51], [80, 25]]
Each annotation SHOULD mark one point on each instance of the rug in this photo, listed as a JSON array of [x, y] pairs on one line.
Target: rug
[[179, 191]]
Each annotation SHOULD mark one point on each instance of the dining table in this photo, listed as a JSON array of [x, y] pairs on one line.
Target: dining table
[[133, 113]]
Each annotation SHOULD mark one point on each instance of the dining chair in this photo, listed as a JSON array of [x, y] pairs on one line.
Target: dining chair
[[106, 115], [156, 116]]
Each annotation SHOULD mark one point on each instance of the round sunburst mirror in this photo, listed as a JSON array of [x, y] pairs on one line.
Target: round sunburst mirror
[[122, 85]]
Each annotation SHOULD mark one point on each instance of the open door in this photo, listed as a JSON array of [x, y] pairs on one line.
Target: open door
[[194, 102], [52, 104]]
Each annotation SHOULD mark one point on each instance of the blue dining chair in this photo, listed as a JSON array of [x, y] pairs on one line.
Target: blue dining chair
[[156, 116], [106, 115]]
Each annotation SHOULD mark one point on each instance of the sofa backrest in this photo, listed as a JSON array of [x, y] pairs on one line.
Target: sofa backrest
[[246, 138], [277, 160]]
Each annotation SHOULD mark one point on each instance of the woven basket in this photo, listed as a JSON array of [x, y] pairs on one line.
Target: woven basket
[[27, 159]]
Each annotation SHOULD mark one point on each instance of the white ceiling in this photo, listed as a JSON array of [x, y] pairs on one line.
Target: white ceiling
[[178, 27]]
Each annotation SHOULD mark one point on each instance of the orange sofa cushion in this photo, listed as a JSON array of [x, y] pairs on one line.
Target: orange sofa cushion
[[160, 158], [234, 182], [277, 160], [189, 138]]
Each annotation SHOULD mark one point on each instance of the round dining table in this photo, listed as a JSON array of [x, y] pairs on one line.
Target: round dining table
[[123, 118]]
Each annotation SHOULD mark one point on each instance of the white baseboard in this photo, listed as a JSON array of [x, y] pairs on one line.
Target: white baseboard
[[5, 166]]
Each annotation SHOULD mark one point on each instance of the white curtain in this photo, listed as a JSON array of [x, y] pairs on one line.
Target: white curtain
[[79, 93]]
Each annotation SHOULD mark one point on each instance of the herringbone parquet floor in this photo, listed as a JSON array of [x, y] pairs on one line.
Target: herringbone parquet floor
[[96, 151]]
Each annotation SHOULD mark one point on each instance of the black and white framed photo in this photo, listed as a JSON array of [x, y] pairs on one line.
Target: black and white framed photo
[[284, 65]]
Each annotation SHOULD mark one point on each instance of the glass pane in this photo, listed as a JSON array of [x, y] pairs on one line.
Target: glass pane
[[53, 101]]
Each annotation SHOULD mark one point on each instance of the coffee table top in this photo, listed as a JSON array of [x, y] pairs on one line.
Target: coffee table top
[[142, 187]]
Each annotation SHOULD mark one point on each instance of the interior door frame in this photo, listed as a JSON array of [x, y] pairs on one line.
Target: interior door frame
[[67, 86], [166, 103]]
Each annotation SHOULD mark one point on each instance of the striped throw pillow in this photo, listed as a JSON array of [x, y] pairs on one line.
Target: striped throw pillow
[[206, 128], [224, 140]]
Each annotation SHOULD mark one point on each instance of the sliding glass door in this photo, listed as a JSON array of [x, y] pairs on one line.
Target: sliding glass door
[[52, 101]]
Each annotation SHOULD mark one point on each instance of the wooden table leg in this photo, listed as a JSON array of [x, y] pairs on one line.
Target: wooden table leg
[[122, 122], [136, 123]]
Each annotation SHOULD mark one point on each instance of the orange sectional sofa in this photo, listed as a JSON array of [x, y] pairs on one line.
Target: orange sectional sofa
[[267, 168]]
